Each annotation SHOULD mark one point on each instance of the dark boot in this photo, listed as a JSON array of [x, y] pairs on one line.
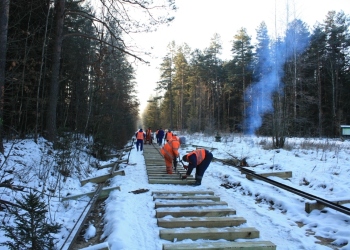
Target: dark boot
[[197, 183], [198, 180]]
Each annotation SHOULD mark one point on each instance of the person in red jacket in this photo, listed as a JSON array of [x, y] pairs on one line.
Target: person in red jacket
[[140, 136], [199, 159], [148, 136], [170, 151], [168, 135]]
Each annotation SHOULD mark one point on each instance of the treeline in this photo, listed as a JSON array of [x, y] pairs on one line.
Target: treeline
[[294, 85], [64, 67]]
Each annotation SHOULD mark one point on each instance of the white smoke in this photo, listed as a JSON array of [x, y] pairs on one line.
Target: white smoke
[[259, 95]]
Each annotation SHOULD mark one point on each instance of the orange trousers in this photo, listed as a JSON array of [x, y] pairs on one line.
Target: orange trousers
[[168, 164]]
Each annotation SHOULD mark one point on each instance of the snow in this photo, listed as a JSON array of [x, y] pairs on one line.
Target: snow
[[90, 232], [319, 166]]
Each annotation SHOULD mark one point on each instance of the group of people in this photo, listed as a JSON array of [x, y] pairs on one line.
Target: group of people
[[198, 159], [147, 137], [161, 134], [143, 138]]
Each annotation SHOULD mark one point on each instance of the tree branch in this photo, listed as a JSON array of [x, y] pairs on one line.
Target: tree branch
[[104, 42]]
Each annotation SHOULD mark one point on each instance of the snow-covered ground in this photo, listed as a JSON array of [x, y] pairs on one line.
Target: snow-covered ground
[[319, 166]]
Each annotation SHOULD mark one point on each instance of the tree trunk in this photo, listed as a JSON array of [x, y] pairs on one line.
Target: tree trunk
[[54, 87], [41, 76], [319, 92], [4, 18]]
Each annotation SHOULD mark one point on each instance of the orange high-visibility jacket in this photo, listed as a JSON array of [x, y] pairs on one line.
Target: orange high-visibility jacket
[[171, 149], [168, 136], [140, 135], [200, 154]]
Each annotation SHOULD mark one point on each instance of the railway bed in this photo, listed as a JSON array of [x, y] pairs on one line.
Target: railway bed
[[196, 215], [202, 216]]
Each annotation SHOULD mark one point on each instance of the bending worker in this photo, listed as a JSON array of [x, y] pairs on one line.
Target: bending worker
[[199, 159], [170, 151]]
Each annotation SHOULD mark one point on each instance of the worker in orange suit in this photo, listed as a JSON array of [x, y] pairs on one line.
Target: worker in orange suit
[[168, 135], [148, 136], [199, 159], [170, 151], [140, 136]]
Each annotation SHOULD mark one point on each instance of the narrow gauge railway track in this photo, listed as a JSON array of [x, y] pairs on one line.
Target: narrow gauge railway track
[[322, 201], [157, 147], [72, 240], [74, 233]]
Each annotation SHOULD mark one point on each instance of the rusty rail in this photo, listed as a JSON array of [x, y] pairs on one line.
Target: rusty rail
[[67, 245], [322, 201]]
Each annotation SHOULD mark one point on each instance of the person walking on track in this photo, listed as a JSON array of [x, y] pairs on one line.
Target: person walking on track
[[140, 136], [170, 151], [160, 136], [199, 159], [148, 136]]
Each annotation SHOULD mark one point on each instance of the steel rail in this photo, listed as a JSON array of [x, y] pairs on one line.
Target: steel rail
[[72, 236], [322, 201], [67, 245], [157, 148]]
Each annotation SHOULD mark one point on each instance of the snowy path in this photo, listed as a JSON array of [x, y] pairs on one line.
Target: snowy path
[[131, 224]]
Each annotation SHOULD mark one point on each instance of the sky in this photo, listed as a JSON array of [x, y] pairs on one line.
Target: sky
[[196, 21], [319, 167]]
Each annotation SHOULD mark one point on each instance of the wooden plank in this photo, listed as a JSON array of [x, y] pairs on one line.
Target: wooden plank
[[113, 156], [168, 177], [309, 206], [161, 171], [156, 171], [209, 233], [158, 176], [183, 193], [112, 164], [152, 153], [190, 204], [163, 168], [207, 148], [154, 175], [283, 175], [126, 149], [104, 194], [102, 178], [171, 181], [187, 197], [155, 163], [156, 168], [160, 213], [200, 222], [248, 245]]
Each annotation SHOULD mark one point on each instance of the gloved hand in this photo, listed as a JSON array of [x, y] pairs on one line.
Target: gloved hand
[[184, 177], [186, 167]]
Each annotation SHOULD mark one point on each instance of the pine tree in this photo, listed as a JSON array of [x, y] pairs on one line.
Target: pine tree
[[30, 228]]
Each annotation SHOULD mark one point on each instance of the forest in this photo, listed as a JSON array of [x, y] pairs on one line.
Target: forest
[[295, 85], [66, 68]]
